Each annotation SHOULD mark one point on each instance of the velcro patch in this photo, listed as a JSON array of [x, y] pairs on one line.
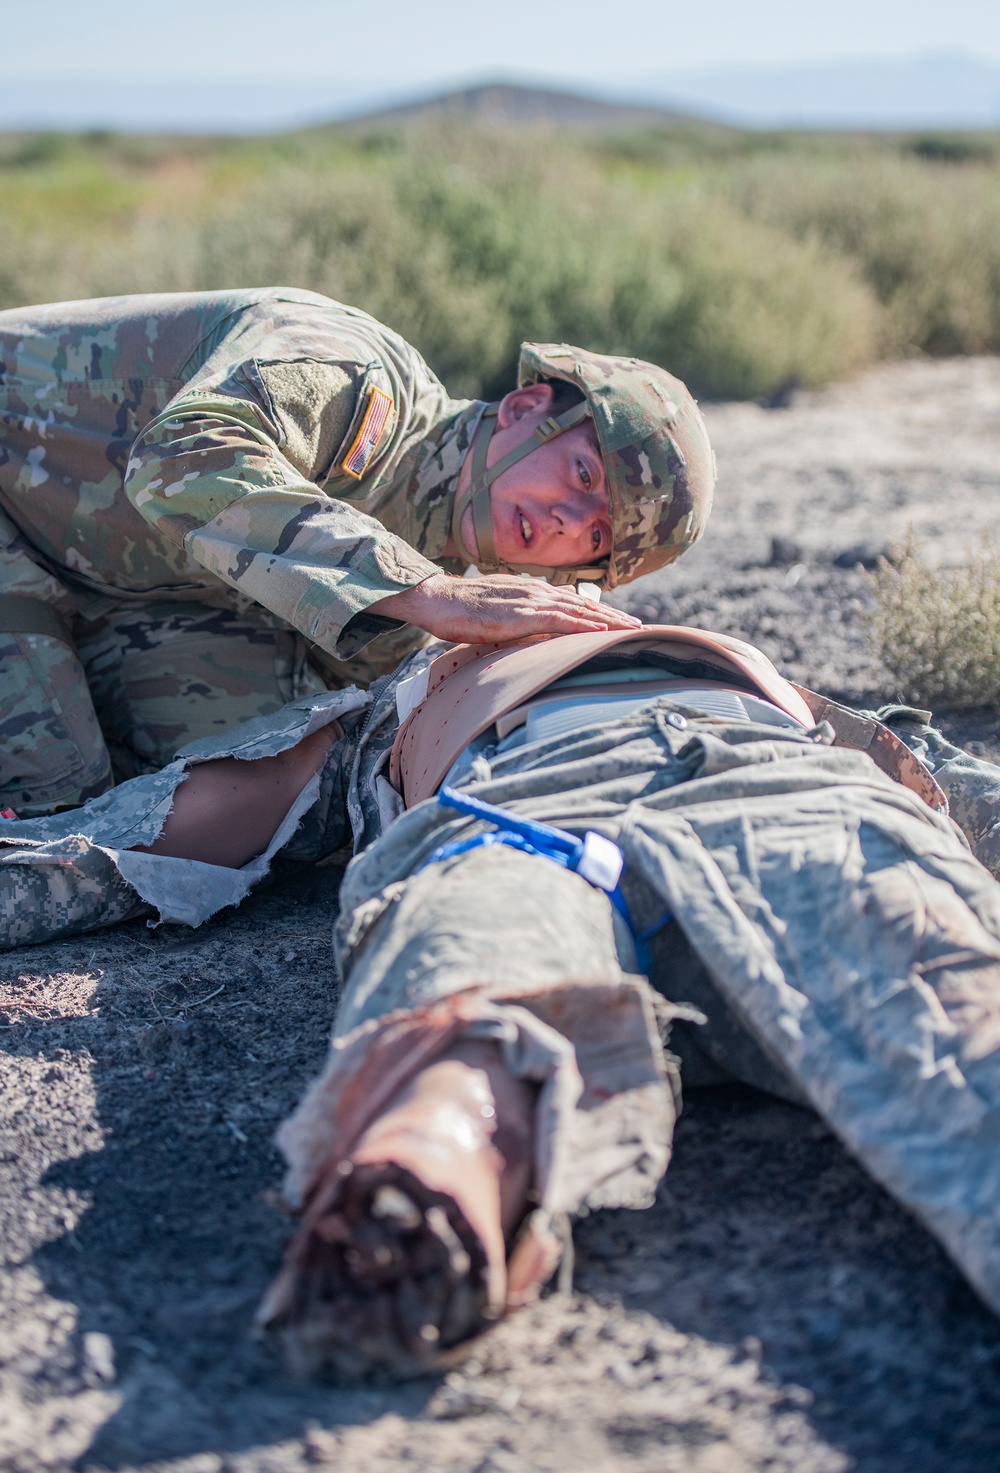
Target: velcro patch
[[370, 433]]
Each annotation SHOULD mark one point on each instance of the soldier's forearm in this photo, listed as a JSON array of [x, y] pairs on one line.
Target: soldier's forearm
[[216, 487]]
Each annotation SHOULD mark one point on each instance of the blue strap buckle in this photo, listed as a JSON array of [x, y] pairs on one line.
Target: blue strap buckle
[[594, 858]]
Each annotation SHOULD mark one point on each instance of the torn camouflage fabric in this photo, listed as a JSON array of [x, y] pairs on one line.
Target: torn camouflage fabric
[[79, 871]]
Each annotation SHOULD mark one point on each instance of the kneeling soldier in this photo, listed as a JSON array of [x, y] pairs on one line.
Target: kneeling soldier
[[212, 504]]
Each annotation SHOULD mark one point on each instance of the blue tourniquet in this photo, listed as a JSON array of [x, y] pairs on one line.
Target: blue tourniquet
[[594, 858]]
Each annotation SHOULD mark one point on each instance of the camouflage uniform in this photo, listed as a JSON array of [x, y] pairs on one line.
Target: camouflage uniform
[[200, 496], [840, 939]]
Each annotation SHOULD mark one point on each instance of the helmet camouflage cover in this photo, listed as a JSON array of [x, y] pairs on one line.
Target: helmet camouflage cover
[[658, 462]]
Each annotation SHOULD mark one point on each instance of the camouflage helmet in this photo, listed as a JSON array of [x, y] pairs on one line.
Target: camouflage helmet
[[658, 462]]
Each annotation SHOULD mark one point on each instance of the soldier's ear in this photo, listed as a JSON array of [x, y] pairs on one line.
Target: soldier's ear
[[533, 399]]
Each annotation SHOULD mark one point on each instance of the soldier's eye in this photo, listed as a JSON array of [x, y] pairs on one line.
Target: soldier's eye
[[598, 539], [586, 479]]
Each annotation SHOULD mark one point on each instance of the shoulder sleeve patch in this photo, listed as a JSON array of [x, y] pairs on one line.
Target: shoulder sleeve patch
[[312, 404], [374, 423]]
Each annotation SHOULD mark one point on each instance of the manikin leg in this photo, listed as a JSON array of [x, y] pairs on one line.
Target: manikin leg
[[410, 1257], [493, 1070], [227, 811]]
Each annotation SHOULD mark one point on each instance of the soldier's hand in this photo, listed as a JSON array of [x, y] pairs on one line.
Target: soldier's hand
[[499, 608]]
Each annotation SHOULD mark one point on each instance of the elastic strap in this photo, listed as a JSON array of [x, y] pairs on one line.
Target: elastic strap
[[21, 615], [479, 490], [480, 442], [548, 842]]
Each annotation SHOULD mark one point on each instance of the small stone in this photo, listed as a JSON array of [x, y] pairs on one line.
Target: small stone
[[866, 555], [98, 1356], [785, 553]]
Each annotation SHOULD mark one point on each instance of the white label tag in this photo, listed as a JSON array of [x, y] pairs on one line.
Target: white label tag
[[601, 862], [590, 591]]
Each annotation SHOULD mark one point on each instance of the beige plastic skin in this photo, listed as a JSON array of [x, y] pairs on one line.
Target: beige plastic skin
[[471, 687]]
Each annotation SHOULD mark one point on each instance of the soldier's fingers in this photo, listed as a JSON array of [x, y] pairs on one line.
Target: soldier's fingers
[[600, 618], [559, 623], [570, 602], [617, 618]]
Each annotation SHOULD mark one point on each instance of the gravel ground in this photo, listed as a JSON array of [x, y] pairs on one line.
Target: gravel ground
[[775, 1310]]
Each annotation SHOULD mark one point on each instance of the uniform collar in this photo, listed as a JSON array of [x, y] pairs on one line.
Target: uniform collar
[[434, 482]]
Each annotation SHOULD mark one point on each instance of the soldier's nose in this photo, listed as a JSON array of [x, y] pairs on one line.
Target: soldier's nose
[[571, 518]]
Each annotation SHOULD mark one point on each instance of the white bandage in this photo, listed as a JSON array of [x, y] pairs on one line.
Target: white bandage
[[410, 692]]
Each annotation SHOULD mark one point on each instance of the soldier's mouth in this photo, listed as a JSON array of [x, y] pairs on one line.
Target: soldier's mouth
[[527, 531]]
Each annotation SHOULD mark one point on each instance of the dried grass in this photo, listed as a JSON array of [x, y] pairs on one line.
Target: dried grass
[[938, 629]]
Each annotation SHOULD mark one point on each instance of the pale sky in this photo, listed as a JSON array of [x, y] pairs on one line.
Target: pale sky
[[352, 43]]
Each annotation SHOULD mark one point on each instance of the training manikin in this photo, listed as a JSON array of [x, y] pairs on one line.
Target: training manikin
[[812, 900]]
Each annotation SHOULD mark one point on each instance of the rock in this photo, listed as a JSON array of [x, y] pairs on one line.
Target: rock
[[864, 554], [785, 553]]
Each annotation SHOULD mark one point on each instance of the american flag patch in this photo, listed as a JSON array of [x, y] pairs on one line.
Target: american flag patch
[[370, 432]]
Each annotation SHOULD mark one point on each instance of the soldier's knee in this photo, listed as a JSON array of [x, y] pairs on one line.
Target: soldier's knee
[[52, 751], [165, 675]]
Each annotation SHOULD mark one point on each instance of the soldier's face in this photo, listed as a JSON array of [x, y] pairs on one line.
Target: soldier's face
[[552, 507]]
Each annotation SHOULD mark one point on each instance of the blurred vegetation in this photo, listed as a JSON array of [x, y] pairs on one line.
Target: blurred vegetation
[[744, 262], [938, 629]]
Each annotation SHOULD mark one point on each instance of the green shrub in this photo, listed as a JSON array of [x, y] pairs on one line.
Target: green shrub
[[953, 148], [467, 254], [742, 262], [938, 630], [926, 237], [757, 309]]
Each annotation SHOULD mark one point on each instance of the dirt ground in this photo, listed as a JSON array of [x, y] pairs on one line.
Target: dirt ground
[[774, 1311]]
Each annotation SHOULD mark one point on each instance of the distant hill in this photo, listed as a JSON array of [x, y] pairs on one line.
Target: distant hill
[[506, 105]]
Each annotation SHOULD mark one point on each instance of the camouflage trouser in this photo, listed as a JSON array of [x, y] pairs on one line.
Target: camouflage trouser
[[836, 931], [84, 703]]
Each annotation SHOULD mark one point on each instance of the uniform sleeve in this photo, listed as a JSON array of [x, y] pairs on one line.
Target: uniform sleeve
[[210, 476]]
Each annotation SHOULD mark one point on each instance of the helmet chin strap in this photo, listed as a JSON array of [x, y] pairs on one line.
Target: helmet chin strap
[[477, 493]]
